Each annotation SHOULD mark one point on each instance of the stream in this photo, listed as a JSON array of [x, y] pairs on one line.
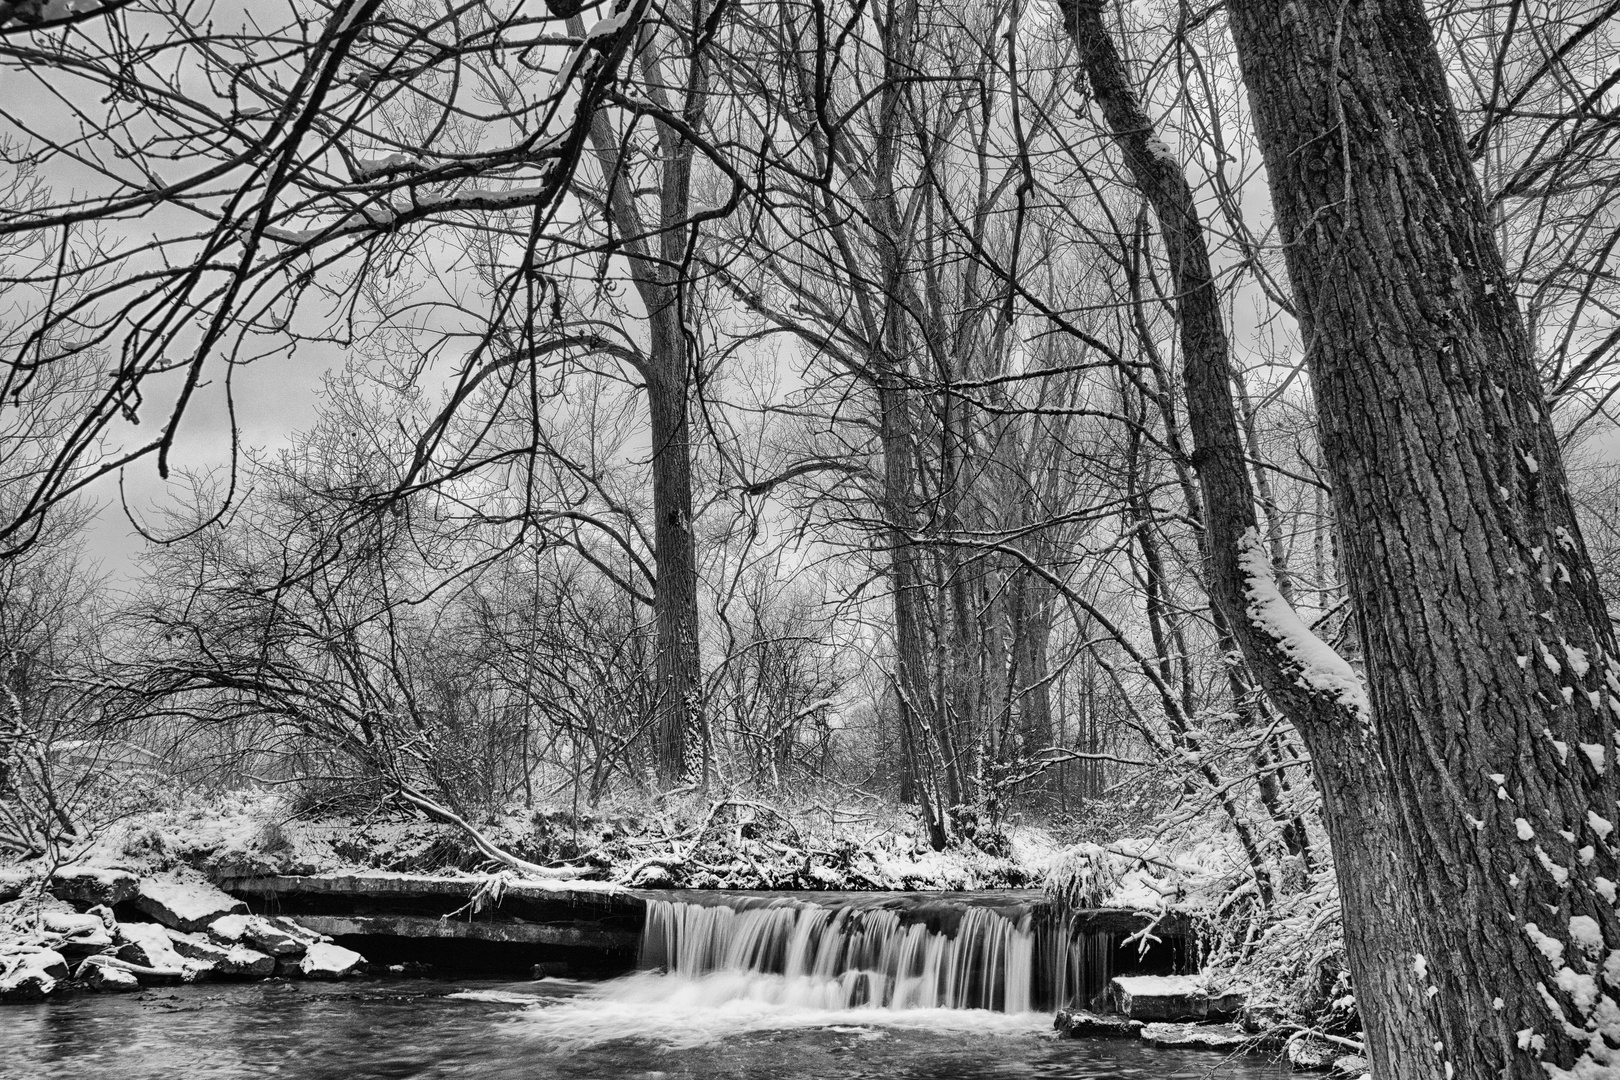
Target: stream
[[646, 1025]]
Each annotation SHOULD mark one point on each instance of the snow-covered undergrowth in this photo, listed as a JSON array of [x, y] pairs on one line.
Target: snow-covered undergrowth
[[692, 842], [1286, 950]]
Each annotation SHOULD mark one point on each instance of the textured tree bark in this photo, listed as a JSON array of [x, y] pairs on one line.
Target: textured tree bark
[[656, 256], [920, 712], [684, 753], [1030, 615], [1379, 926], [1490, 658]]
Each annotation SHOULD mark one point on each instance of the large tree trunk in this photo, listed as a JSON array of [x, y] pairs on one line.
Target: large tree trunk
[[684, 753], [656, 256], [1489, 654], [1315, 689]]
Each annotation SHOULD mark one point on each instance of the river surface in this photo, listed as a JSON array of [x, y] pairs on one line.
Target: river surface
[[643, 1027]]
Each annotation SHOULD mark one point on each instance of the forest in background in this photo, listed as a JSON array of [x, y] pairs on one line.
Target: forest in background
[[788, 402]]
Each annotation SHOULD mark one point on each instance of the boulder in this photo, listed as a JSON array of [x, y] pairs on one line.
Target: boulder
[[14, 882], [302, 933], [1075, 1023], [1195, 1036], [241, 962], [91, 943], [94, 884], [107, 978], [323, 961], [148, 945], [1306, 1054], [72, 922], [80, 935], [31, 974], [185, 905], [230, 929], [1226, 1004], [1159, 997], [146, 976], [265, 935], [197, 947]]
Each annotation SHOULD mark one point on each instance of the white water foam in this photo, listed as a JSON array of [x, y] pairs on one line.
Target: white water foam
[[678, 1012]]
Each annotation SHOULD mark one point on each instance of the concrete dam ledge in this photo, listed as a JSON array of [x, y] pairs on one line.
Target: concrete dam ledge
[[513, 931], [481, 921]]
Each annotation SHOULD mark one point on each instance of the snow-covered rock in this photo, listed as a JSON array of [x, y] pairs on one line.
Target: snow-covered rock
[[1076, 1023], [231, 929], [262, 934], [94, 884], [302, 933], [147, 976], [148, 945], [197, 947], [31, 974], [323, 961], [1195, 1036], [185, 905], [72, 922], [1311, 1055], [79, 935], [232, 961], [1350, 1066], [107, 978], [241, 962], [1159, 997], [14, 881]]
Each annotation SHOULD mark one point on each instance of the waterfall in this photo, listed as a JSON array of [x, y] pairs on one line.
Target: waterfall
[[912, 954]]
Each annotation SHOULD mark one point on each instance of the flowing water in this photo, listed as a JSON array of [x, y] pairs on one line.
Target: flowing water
[[848, 950], [751, 988], [638, 1028]]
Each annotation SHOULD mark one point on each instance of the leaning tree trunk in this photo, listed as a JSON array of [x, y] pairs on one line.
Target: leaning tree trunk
[[1314, 688], [1490, 658]]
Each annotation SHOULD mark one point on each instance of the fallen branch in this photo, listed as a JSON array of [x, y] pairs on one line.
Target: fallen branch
[[483, 844], [1313, 1033]]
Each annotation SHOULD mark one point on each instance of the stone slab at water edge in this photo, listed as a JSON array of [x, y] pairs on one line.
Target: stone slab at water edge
[[1078, 1023], [1197, 1036], [185, 905], [1171, 998]]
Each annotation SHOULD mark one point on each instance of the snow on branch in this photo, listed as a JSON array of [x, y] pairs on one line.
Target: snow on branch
[[1319, 668]]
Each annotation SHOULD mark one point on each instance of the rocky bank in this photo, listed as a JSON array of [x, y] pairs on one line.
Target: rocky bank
[[108, 930]]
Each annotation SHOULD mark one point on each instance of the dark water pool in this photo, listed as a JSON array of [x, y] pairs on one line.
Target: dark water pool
[[641, 1028]]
